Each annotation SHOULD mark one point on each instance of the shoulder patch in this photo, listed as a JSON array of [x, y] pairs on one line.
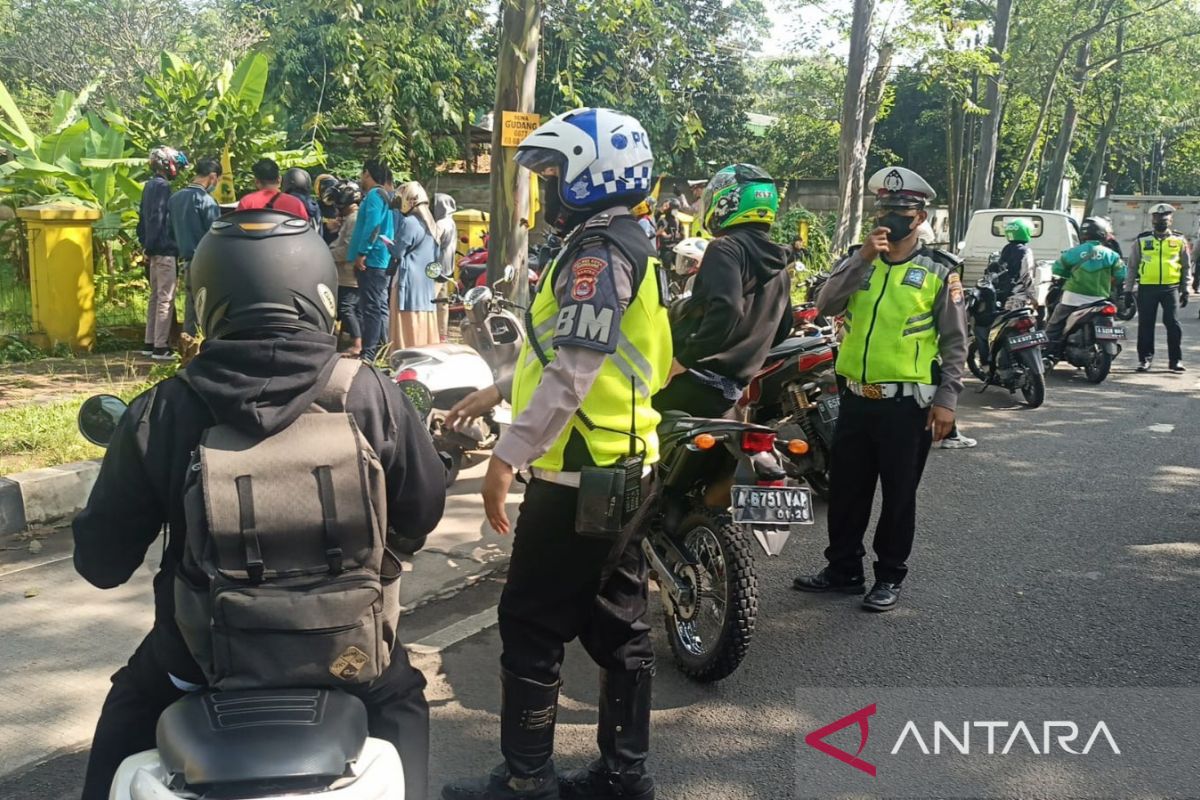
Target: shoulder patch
[[956, 289], [585, 273]]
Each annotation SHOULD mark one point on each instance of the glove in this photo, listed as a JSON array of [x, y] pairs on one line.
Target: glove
[[1129, 298], [1183, 300]]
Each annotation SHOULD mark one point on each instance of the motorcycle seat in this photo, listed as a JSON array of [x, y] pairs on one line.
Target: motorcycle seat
[[290, 735], [797, 344]]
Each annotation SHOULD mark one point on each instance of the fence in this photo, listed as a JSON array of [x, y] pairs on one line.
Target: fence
[[16, 306]]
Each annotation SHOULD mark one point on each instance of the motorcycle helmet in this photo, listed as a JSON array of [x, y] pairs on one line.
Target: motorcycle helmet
[[688, 254], [297, 180], [1018, 230], [592, 159], [263, 271], [347, 194], [322, 185], [167, 161], [737, 195], [1095, 229]]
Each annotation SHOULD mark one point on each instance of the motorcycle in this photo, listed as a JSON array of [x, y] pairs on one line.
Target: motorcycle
[[493, 335], [472, 270], [796, 394], [1014, 342], [254, 745], [719, 487], [1090, 338]]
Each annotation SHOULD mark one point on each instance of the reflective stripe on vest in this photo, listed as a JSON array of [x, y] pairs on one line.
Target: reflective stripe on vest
[[637, 369], [894, 337], [1161, 260]]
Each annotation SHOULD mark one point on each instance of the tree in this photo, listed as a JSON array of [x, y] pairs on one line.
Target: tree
[[985, 167], [852, 158]]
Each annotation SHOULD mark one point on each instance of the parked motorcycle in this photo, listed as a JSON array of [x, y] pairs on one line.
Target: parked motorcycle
[[253, 745], [1014, 342], [796, 394], [1091, 339], [700, 532], [493, 335]]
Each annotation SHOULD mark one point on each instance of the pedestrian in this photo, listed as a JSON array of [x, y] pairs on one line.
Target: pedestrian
[[413, 317], [268, 195], [901, 362], [370, 252], [154, 232], [326, 188], [444, 207], [268, 357], [1090, 273], [349, 196], [299, 184], [1158, 266], [193, 211], [578, 401], [669, 230], [740, 304]]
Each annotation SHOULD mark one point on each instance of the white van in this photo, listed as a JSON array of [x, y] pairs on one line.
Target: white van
[[1052, 232]]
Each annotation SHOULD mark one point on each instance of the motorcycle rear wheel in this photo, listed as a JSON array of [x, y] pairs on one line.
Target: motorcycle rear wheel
[[1097, 368], [710, 638], [1034, 389], [973, 362]]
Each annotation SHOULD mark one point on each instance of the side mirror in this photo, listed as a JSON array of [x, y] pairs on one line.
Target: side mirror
[[434, 271], [98, 418], [419, 395], [509, 272]]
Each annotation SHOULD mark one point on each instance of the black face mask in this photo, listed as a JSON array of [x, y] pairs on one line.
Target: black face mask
[[1161, 225], [899, 226]]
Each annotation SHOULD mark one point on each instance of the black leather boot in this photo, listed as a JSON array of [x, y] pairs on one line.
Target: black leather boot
[[624, 739], [527, 714]]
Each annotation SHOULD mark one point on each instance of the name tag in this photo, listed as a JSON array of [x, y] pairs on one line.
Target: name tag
[[914, 277]]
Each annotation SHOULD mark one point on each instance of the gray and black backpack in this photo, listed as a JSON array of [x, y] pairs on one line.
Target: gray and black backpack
[[286, 579]]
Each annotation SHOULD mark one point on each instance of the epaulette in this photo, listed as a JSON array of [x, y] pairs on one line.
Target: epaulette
[[1144, 233], [949, 259]]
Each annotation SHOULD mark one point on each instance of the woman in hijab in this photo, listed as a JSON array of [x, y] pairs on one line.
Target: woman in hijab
[[413, 319]]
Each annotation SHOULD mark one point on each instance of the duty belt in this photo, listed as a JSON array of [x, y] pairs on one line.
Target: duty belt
[[880, 391]]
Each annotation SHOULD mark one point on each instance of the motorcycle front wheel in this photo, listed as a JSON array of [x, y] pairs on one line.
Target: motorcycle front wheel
[[1034, 388], [1097, 368], [973, 362], [710, 635]]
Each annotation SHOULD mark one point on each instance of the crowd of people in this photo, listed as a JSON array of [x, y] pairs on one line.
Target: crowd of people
[[382, 237]]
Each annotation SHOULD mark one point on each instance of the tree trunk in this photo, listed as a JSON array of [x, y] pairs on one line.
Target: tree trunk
[[852, 158], [1053, 197], [1100, 156], [876, 87], [516, 82], [985, 168], [954, 148]]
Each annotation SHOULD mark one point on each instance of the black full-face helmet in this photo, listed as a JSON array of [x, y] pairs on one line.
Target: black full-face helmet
[[297, 180], [263, 272]]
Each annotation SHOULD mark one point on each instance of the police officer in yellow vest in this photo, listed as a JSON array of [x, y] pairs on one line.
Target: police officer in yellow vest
[[1159, 267], [598, 348], [901, 361]]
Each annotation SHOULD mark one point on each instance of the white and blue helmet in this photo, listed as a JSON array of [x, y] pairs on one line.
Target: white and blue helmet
[[599, 155]]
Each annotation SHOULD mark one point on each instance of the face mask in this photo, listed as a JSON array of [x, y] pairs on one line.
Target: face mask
[[212, 188], [1161, 225], [899, 226]]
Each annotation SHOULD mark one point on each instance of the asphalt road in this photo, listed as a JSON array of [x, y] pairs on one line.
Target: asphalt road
[[1064, 551]]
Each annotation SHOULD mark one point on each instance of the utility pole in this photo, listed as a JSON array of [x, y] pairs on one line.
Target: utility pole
[[516, 84]]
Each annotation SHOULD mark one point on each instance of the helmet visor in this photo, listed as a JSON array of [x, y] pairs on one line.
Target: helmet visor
[[540, 161]]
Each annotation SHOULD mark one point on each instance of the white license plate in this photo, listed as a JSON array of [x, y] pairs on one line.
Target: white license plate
[[1027, 340], [1105, 332], [772, 505], [829, 408]]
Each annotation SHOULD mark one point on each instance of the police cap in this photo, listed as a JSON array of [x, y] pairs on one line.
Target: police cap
[[899, 187]]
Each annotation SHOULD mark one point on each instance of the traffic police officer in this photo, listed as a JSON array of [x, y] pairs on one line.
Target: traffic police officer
[[1159, 267], [598, 348], [901, 360]]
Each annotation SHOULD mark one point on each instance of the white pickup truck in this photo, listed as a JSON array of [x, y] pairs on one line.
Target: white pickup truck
[[1053, 232]]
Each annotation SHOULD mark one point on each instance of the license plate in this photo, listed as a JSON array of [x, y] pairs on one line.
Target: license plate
[[1106, 332], [1027, 340], [829, 407], [772, 505]]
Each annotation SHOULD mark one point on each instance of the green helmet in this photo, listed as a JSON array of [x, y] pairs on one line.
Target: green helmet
[[1018, 231], [736, 195]]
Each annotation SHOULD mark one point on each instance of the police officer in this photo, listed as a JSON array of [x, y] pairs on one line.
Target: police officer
[[1158, 266], [598, 347], [901, 359]]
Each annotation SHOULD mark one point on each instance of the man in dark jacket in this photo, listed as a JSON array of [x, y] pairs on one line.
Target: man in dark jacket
[[193, 211], [158, 242], [268, 355], [741, 303]]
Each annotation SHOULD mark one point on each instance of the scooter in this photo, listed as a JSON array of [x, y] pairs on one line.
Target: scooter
[[493, 336], [253, 745], [1014, 355], [1091, 339]]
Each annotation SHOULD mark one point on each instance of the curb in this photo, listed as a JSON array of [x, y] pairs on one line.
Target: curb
[[45, 496]]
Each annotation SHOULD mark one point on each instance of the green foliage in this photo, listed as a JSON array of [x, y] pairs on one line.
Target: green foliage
[[819, 257], [805, 97]]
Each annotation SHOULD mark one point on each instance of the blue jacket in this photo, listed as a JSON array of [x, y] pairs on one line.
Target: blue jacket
[[192, 211], [373, 227], [154, 220], [415, 249]]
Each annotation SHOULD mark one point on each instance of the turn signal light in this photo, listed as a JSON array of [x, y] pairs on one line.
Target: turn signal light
[[406, 375], [705, 441], [1108, 310], [756, 442], [797, 447]]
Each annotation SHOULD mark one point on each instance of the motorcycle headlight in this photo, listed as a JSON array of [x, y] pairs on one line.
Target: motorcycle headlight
[[475, 296]]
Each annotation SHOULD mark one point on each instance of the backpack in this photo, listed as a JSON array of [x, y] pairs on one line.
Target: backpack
[[286, 579]]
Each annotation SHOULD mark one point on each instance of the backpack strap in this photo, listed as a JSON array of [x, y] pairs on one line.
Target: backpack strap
[[333, 396], [274, 199]]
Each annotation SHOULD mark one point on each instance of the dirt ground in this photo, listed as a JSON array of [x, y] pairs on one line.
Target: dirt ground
[[50, 379]]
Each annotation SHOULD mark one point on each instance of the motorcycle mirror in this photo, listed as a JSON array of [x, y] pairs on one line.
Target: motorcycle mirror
[[98, 418], [433, 271], [419, 395], [509, 272]]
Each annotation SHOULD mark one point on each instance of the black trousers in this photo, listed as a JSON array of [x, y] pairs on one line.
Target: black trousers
[[373, 309], [554, 593], [876, 441], [1150, 298], [685, 393], [347, 302], [141, 691]]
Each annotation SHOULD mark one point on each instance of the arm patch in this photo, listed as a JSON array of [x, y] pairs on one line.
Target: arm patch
[[589, 313]]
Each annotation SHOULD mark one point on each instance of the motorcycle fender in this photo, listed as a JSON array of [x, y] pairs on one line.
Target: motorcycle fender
[[757, 467], [1112, 348]]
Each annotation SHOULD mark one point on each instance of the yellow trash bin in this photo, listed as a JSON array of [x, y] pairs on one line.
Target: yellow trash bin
[[472, 225], [60, 272]]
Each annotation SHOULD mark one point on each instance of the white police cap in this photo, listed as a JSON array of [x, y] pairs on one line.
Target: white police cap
[[900, 187], [1162, 208]]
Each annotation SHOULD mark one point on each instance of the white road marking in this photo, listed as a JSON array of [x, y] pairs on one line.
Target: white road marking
[[438, 641], [1161, 427], [5, 572]]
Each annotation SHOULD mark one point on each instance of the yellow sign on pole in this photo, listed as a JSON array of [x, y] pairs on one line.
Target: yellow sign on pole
[[515, 126], [225, 193]]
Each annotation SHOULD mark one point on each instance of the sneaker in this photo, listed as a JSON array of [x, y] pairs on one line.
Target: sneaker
[[1177, 368], [958, 442], [163, 354], [1144, 365], [147, 350]]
